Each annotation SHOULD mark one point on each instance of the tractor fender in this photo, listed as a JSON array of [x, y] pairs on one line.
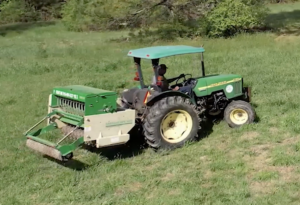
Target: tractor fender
[[166, 94]]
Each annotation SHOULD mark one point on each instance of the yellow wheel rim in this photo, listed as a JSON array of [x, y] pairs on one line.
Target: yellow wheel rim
[[176, 126], [238, 116]]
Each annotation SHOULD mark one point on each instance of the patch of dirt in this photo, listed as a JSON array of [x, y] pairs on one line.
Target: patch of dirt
[[134, 187], [208, 174], [175, 192], [291, 140], [249, 135], [65, 44], [261, 156], [273, 130], [150, 196], [285, 37], [207, 185], [259, 160], [223, 144], [258, 188], [168, 177], [278, 38], [151, 167], [119, 192], [287, 174], [203, 158]]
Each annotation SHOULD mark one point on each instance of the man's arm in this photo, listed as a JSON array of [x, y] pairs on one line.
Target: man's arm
[[153, 80], [173, 79]]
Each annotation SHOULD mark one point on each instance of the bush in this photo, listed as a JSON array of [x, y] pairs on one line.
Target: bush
[[281, 1], [12, 11], [234, 16], [164, 32], [16, 11], [73, 14], [168, 19], [81, 15]]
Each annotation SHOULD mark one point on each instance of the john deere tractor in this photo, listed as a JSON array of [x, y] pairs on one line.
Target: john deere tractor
[[168, 118]]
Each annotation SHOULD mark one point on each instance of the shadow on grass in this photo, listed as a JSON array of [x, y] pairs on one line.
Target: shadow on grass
[[285, 22], [72, 164], [257, 118], [21, 27], [207, 127], [135, 146]]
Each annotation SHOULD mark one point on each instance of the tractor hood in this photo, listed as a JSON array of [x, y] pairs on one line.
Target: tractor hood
[[231, 84], [221, 79], [80, 92]]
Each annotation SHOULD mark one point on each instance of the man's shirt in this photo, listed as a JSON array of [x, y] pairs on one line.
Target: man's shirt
[[165, 84]]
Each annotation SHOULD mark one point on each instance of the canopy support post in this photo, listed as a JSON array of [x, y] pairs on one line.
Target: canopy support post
[[202, 64], [137, 62]]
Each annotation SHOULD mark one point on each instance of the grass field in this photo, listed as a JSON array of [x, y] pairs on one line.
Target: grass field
[[257, 164]]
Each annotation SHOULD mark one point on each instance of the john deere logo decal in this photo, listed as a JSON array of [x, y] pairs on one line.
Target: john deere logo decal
[[64, 94], [229, 88]]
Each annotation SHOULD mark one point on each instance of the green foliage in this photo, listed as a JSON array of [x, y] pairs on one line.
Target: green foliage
[[168, 19], [117, 14], [47, 9], [30, 10], [165, 32], [81, 15], [16, 11], [213, 18], [280, 1], [233, 16], [73, 14]]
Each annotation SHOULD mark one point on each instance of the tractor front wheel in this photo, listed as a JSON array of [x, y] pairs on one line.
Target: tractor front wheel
[[171, 123], [238, 113]]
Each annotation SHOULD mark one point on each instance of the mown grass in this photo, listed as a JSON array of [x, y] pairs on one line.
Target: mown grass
[[257, 164]]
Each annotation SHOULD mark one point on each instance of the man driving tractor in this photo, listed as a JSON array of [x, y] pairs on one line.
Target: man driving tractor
[[162, 69]]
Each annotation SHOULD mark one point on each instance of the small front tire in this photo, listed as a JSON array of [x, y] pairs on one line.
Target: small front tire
[[238, 113]]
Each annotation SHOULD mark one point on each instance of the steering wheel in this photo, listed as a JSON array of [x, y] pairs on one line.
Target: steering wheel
[[183, 77], [191, 81]]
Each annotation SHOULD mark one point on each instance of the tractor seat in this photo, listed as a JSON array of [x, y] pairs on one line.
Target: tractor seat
[[127, 96]]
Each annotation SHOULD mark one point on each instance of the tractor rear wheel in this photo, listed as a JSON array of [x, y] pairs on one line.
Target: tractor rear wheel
[[238, 113], [171, 122]]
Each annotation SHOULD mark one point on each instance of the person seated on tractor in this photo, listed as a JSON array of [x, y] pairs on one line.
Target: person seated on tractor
[[165, 82]]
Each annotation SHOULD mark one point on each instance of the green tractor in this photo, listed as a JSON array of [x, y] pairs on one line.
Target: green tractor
[[168, 118]]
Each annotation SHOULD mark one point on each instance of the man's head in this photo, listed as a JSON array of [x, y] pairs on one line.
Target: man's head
[[162, 69]]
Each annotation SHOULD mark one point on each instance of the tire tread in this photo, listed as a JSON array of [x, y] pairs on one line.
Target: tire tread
[[157, 111]]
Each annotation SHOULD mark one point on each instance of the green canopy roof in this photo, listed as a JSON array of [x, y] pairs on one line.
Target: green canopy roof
[[156, 52]]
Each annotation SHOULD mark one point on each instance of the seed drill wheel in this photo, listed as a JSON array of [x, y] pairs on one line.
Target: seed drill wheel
[[238, 113], [171, 123]]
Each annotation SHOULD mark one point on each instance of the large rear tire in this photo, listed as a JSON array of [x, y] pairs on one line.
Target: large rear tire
[[238, 113], [171, 122]]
